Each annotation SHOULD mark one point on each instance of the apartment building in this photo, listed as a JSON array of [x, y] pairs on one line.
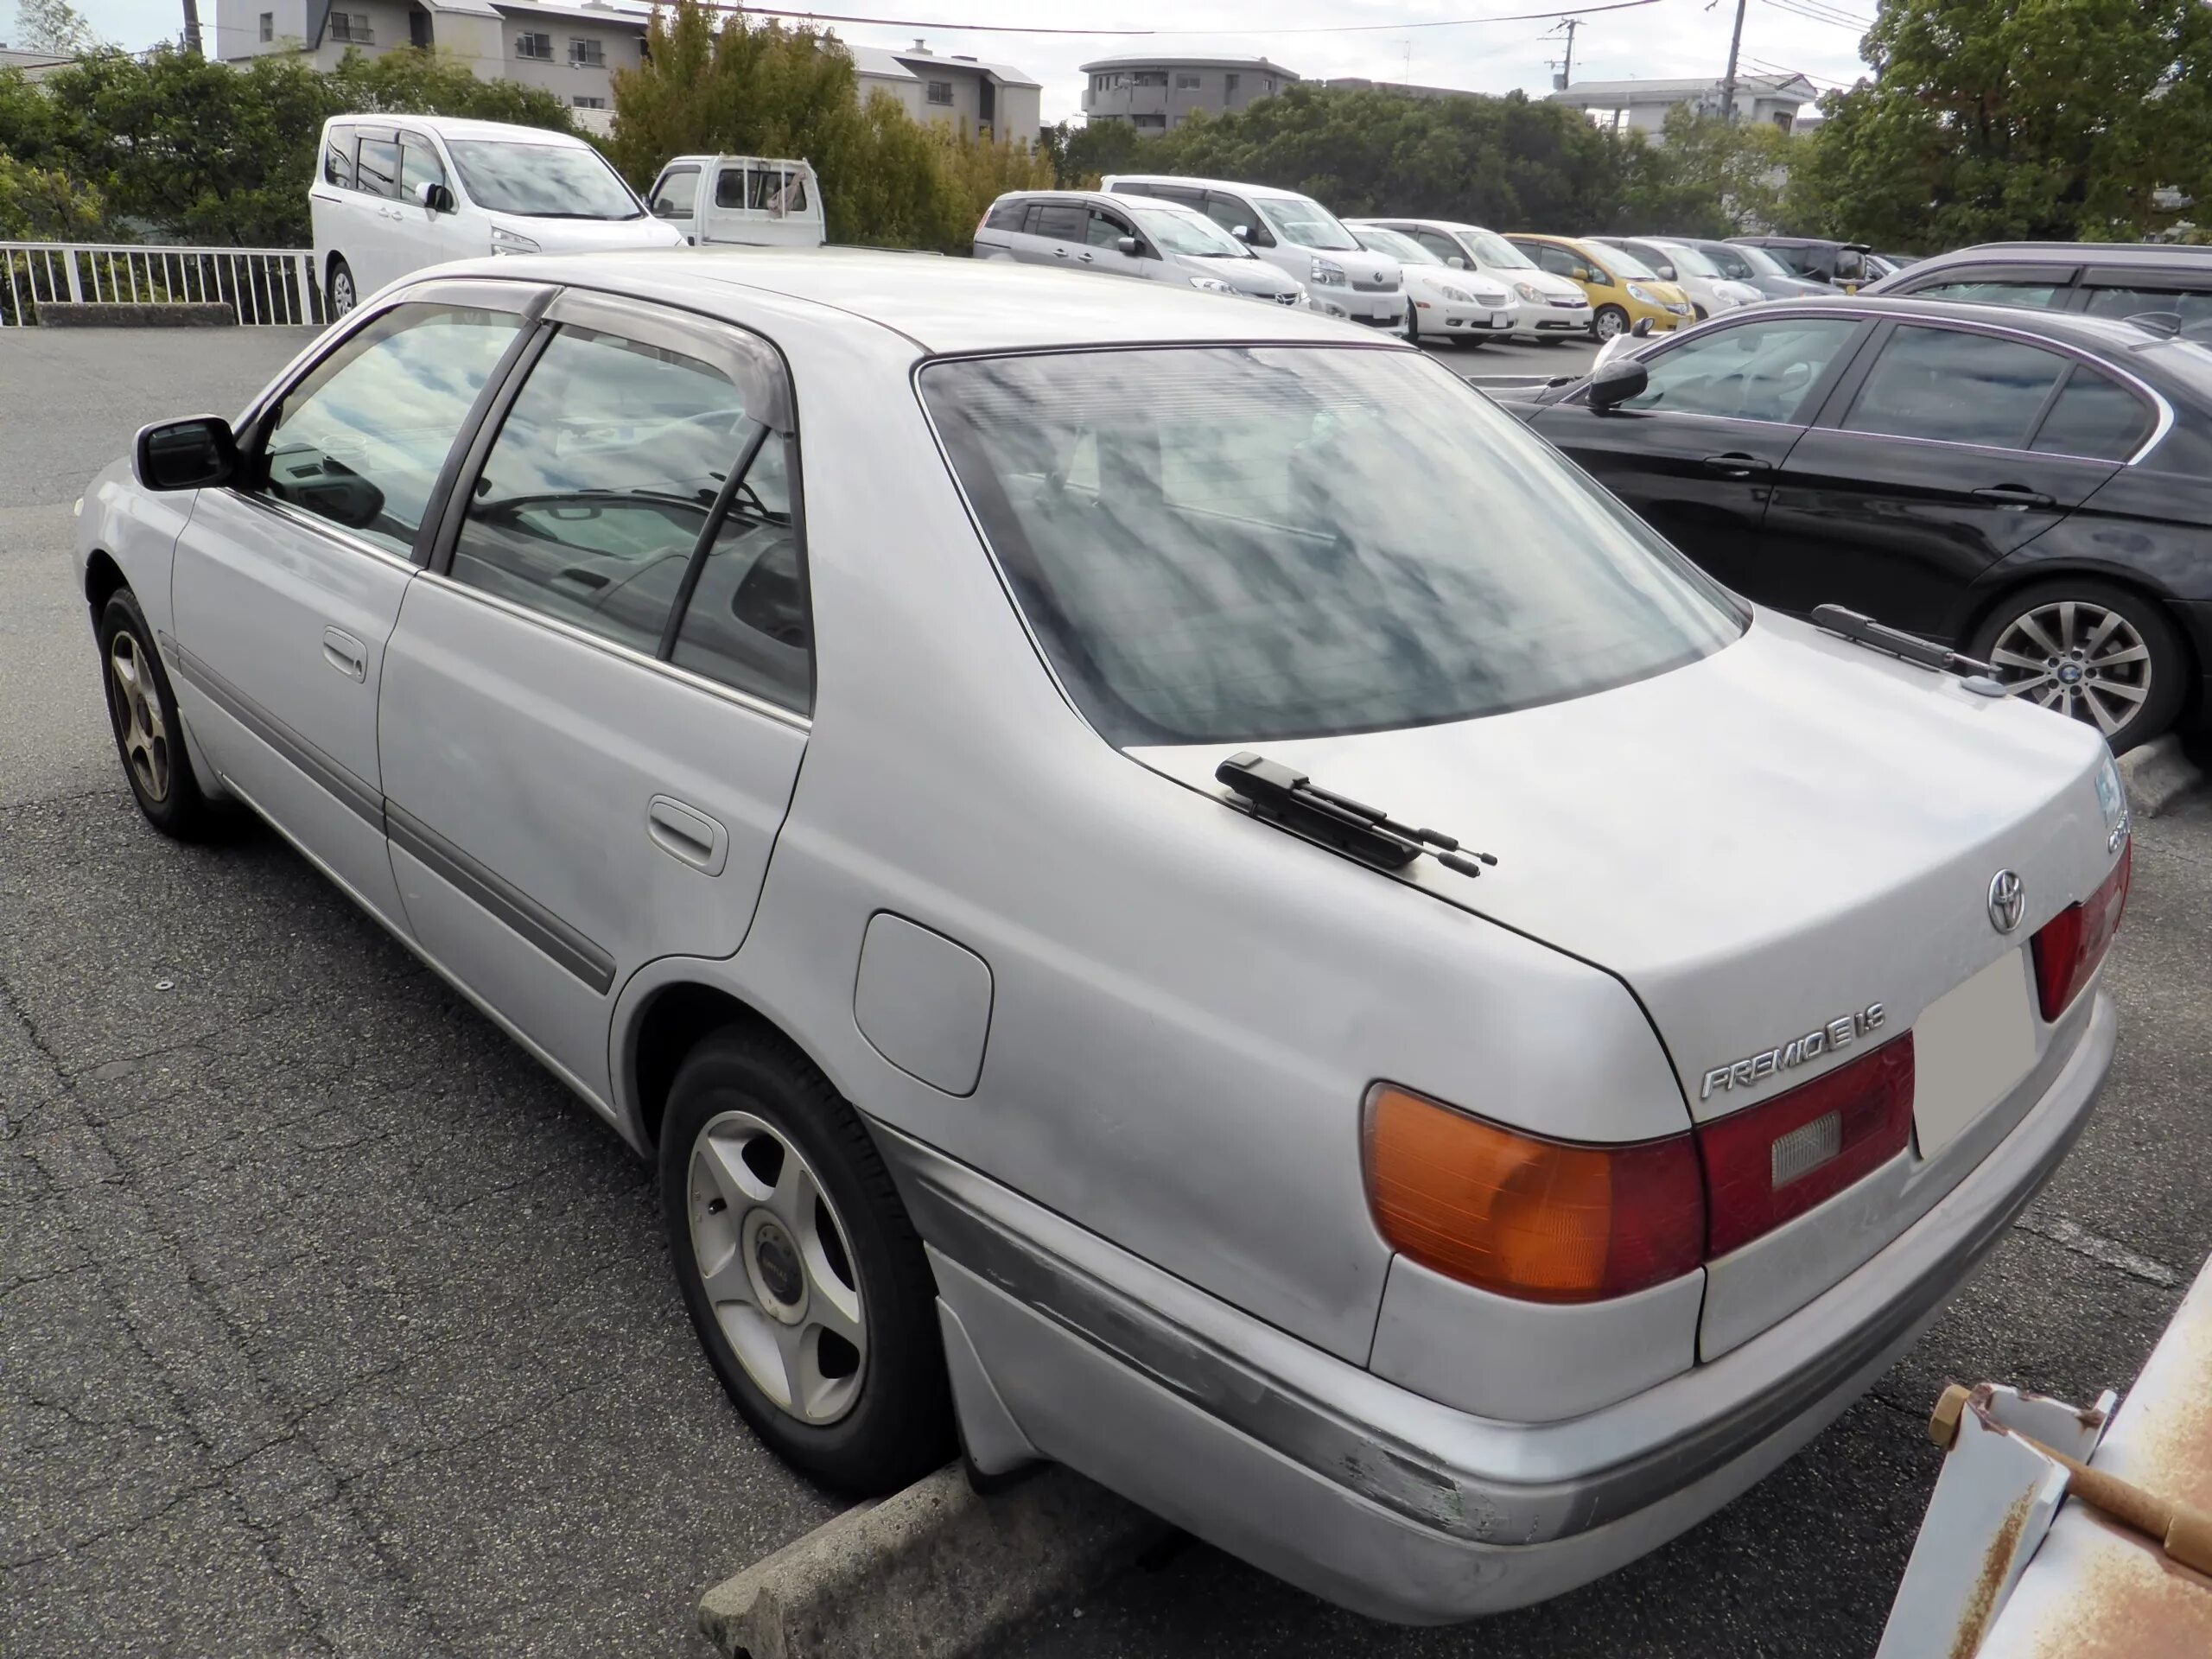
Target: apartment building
[[995, 100], [1157, 94], [1642, 105]]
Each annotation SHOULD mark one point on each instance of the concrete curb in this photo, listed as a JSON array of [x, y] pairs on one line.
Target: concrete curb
[[61, 313], [930, 1573], [2158, 774]]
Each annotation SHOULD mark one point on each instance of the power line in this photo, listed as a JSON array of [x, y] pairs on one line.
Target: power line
[[1857, 25]]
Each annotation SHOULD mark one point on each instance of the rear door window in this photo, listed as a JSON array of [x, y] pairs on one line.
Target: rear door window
[[1059, 221], [380, 166], [2096, 416], [1952, 386]]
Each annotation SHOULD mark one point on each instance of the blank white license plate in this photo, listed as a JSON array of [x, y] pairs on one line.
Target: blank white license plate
[[1970, 1048]]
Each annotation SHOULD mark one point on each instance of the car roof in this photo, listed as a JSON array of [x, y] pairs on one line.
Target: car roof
[[2068, 327], [2072, 253], [1432, 224], [1101, 199], [455, 126], [1269, 191], [938, 304]]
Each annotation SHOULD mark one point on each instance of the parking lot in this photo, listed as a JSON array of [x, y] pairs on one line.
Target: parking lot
[[329, 1322]]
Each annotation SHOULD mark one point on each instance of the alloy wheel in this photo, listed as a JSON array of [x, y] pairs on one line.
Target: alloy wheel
[[139, 728], [2077, 658], [775, 1263], [341, 292]]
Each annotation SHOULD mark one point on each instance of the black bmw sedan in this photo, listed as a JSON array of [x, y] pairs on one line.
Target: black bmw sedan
[[2032, 488]]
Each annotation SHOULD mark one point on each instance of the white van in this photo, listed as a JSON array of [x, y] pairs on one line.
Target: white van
[[396, 193], [1298, 236], [755, 201]]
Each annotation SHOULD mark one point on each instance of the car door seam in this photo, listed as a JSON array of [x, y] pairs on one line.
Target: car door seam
[[324, 771]]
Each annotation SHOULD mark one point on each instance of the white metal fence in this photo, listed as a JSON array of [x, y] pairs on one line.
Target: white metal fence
[[263, 286]]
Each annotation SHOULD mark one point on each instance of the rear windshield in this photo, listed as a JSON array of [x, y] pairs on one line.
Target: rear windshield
[[543, 180], [1221, 544]]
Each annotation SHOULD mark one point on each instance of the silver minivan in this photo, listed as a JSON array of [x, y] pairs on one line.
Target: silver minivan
[[890, 735], [1127, 236]]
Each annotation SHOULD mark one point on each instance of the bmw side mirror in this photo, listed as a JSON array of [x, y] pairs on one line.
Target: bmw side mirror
[[1617, 381], [198, 452], [1129, 245], [434, 197]]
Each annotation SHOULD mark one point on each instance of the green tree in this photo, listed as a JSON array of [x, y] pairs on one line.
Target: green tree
[[1709, 177], [53, 26], [40, 204], [1988, 119]]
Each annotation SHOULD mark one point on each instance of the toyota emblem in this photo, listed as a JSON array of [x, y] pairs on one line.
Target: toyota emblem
[[2008, 898]]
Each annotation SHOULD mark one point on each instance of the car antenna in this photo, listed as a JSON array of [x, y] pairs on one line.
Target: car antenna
[[1976, 675], [1280, 796]]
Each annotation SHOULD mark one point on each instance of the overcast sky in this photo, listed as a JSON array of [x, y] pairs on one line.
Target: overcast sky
[[1668, 38]]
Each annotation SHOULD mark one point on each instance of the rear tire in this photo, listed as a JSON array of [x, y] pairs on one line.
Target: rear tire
[[148, 733], [2092, 650], [788, 1241], [343, 297]]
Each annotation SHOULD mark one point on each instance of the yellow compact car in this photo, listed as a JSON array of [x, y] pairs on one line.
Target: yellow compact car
[[1622, 288]]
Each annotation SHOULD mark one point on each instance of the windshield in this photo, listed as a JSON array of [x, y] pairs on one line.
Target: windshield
[[1403, 249], [1188, 233], [1307, 224], [1622, 263], [1762, 263], [543, 180], [1491, 249], [1686, 259], [1226, 544]]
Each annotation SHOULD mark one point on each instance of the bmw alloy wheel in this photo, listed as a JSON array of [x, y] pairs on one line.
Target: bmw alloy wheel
[[2078, 658], [139, 728], [777, 1265]]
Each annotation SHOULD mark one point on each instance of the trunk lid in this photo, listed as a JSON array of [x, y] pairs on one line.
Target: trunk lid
[[1777, 837]]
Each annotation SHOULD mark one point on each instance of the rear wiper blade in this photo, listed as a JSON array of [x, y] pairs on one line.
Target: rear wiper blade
[[1907, 647], [1278, 795]]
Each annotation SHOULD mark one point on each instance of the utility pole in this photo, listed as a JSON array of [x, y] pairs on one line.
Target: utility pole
[[1565, 66], [1728, 85], [192, 28]]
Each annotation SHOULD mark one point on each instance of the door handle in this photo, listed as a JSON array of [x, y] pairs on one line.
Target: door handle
[[1736, 466], [2018, 497], [1059, 253], [346, 654], [1085, 258], [687, 834]]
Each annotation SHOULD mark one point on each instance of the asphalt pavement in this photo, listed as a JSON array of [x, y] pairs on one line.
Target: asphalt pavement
[[329, 1322]]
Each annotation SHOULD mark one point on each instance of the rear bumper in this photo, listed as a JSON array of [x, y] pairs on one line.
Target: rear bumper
[[1374, 1496]]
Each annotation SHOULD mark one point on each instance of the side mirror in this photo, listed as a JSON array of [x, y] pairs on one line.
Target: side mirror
[[434, 197], [1617, 381], [1580, 273], [196, 454], [1129, 245], [1241, 232], [1665, 273], [1642, 329], [1456, 263]]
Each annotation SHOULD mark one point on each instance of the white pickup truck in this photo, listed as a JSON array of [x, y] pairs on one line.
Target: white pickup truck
[[742, 200]]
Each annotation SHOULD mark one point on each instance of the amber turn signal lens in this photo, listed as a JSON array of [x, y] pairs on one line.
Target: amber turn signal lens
[[1542, 1220]]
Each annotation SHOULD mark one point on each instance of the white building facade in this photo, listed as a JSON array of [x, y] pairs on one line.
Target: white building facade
[[1642, 105], [574, 50], [1157, 94]]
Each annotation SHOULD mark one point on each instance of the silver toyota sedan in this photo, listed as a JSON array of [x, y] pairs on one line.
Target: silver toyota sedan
[[1200, 906]]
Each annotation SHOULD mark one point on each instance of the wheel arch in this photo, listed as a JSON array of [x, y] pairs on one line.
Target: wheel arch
[[670, 1020], [103, 579]]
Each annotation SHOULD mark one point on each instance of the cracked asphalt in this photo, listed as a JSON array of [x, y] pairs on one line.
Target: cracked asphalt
[[329, 1322]]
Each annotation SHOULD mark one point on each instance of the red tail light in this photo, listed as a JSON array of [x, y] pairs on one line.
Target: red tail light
[[2070, 945], [1772, 1161]]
